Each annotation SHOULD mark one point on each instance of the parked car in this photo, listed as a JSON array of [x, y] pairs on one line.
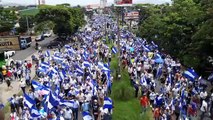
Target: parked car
[[48, 34], [39, 38], [54, 44], [9, 53]]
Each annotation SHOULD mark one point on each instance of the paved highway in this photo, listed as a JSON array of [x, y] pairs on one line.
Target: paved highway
[[22, 54]]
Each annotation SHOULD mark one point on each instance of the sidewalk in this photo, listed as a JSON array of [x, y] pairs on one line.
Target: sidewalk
[[7, 93]]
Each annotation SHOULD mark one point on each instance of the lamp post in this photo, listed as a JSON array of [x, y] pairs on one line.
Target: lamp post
[[118, 44]]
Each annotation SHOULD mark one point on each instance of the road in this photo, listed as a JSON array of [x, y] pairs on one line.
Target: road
[[23, 54]]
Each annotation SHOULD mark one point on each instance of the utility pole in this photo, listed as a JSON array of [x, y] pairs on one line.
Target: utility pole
[[118, 44], [28, 32]]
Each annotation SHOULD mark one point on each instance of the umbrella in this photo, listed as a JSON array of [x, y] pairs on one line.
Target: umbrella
[[159, 60], [131, 49]]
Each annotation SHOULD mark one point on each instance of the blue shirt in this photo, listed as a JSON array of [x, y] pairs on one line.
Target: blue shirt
[[85, 106]]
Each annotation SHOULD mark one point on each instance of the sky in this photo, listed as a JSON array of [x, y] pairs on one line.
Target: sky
[[79, 2]]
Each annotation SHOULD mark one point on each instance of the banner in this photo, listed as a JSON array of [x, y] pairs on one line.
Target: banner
[[123, 2], [132, 15]]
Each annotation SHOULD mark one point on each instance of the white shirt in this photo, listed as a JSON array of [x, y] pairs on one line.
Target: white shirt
[[81, 97], [23, 84], [203, 95], [76, 104], [66, 86], [204, 106], [152, 96]]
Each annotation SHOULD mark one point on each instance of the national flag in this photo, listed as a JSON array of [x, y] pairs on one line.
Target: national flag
[[47, 53], [29, 102], [190, 74], [86, 63], [79, 70], [58, 58], [87, 116], [114, 50], [210, 77], [52, 101], [34, 113], [143, 81], [36, 84], [45, 65], [159, 72], [57, 90], [62, 74], [146, 49], [107, 103], [68, 103], [67, 46]]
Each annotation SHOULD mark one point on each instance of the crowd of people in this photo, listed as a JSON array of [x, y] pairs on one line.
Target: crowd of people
[[172, 93], [76, 80], [72, 82]]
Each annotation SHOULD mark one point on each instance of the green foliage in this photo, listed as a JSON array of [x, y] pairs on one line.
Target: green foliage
[[129, 110], [29, 12], [126, 107], [7, 19], [183, 29], [66, 20], [123, 91], [23, 23]]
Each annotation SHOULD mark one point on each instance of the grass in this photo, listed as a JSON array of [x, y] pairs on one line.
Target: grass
[[30, 12], [2, 61], [126, 106]]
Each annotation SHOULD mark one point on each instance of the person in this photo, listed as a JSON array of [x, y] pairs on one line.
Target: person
[[8, 83], [95, 109], [23, 85], [75, 109], [177, 110], [85, 106], [203, 109], [81, 99], [157, 113], [144, 103], [68, 114], [36, 45], [136, 86]]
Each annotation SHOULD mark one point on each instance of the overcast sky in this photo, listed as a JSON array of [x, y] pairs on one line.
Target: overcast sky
[[80, 2]]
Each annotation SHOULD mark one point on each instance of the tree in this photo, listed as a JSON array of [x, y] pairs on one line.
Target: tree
[[8, 19], [23, 21], [66, 20], [183, 29]]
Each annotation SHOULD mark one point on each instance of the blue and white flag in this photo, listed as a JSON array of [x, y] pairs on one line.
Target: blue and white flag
[[86, 64], [34, 113], [190, 74], [45, 65], [29, 102], [79, 70], [52, 101], [114, 50], [58, 58], [146, 49], [159, 72], [47, 53], [107, 103], [57, 90], [143, 81], [210, 77], [62, 74], [36, 84], [68, 103], [87, 116]]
